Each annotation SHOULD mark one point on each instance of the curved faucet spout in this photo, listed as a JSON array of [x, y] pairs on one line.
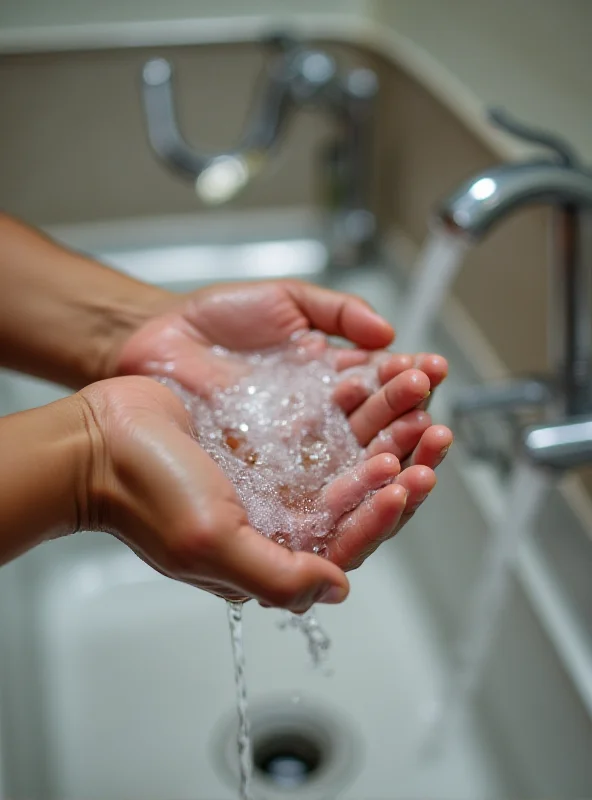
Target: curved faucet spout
[[560, 182], [478, 204]]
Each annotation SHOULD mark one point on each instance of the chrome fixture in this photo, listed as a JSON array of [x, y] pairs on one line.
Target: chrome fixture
[[565, 397], [298, 75]]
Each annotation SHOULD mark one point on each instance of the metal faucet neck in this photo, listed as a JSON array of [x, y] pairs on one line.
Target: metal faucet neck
[[561, 182], [297, 75]]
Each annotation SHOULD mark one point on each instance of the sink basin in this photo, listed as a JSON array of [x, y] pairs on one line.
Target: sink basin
[[118, 682]]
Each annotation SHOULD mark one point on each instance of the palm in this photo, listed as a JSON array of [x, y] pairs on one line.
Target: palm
[[181, 342], [249, 316]]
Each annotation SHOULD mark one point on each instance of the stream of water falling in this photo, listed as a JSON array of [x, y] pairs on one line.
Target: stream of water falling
[[318, 643], [245, 758], [527, 491], [317, 639], [435, 269]]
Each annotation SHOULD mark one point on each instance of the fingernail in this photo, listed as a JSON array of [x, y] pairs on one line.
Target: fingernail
[[333, 595], [442, 454]]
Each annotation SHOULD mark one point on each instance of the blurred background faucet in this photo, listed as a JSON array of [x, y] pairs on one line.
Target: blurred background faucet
[[564, 439], [297, 75]]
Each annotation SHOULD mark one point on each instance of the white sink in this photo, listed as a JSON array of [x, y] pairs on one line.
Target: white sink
[[137, 676], [117, 683]]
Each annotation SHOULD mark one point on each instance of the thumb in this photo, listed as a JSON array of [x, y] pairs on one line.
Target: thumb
[[261, 568]]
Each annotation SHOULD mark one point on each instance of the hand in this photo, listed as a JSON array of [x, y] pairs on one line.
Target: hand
[[177, 342], [151, 485], [241, 316]]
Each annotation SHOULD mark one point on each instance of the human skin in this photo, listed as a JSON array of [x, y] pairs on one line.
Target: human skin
[[114, 455]]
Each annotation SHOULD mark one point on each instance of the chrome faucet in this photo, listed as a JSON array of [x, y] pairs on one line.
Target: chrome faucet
[[298, 75], [564, 439]]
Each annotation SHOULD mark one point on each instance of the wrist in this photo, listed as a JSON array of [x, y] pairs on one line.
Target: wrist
[[112, 316], [45, 462], [63, 315]]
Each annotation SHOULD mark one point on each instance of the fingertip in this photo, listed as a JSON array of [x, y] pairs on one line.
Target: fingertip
[[386, 463], [418, 378], [441, 435], [394, 495], [370, 329], [435, 367], [413, 382], [327, 583], [394, 365], [418, 478], [333, 595], [425, 474]]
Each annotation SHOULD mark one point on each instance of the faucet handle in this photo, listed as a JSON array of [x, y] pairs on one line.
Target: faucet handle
[[487, 418], [564, 444], [501, 119]]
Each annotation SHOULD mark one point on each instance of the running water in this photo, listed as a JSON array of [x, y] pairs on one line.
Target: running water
[[280, 439], [432, 276], [526, 492], [317, 639], [245, 758]]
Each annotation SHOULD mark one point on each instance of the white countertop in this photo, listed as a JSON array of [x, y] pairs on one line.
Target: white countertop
[[530, 56]]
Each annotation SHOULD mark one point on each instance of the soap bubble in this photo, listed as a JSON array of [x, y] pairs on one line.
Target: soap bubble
[[279, 437]]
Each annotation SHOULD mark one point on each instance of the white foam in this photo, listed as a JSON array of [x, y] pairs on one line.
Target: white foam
[[280, 438]]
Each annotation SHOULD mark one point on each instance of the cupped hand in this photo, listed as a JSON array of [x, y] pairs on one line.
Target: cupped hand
[[180, 343], [240, 317], [153, 486]]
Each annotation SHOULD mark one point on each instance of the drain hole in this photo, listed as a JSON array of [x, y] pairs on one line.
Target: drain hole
[[287, 760]]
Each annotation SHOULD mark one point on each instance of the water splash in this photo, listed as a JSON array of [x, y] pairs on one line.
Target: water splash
[[317, 639], [435, 269], [526, 492], [245, 758]]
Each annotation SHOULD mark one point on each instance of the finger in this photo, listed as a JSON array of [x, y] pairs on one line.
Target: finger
[[390, 367], [255, 566], [339, 314], [432, 447], [419, 482], [350, 394], [434, 366], [358, 534], [345, 358], [402, 436], [398, 396], [349, 490]]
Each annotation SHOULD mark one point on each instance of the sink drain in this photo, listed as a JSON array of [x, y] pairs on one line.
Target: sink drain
[[297, 745], [288, 760]]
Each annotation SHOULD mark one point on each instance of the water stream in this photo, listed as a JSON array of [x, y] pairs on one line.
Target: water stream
[[318, 644], [317, 639], [245, 758], [528, 488], [435, 269]]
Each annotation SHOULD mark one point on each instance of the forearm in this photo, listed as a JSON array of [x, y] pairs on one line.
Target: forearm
[[62, 315], [45, 457]]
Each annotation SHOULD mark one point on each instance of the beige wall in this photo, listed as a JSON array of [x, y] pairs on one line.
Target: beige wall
[[531, 56], [34, 13], [73, 145], [73, 148]]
